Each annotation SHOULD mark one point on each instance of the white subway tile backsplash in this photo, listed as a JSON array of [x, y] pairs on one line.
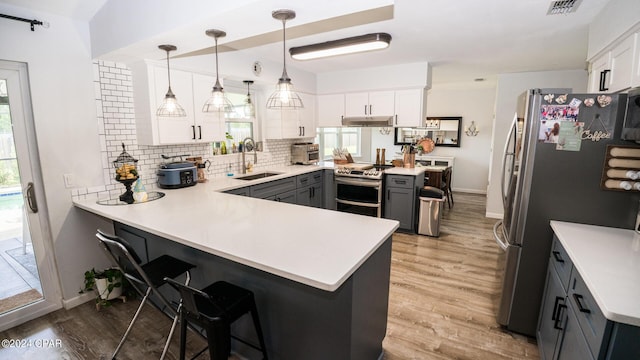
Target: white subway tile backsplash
[[116, 121]]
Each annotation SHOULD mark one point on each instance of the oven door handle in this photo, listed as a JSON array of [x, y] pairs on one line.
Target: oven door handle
[[358, 203], [373, 184]]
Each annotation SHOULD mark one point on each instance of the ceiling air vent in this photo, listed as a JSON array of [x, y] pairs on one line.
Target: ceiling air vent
[[563, 7]]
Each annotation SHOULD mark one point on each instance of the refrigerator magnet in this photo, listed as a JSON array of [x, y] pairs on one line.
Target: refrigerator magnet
[[589, 102], [604, 100], [549, 98], [561, 99], [575, 103]]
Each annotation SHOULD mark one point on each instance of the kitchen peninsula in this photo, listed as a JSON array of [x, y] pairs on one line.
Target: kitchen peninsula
[[320, 277]]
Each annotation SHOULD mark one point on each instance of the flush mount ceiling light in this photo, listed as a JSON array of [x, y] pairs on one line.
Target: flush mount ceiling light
[[170, 106], [249, 108], [285, 96], [368, 42], [218, 101]]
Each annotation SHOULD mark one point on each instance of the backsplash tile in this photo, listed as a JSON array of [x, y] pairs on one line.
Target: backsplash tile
[[116, 125]]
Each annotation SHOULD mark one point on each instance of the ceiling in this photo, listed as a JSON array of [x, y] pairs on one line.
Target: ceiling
[[462, 40]]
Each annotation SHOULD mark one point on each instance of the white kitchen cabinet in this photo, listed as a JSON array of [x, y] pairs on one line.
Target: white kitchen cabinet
[[330, 110], [410, 107], [598, 76], [615, 70], [150, 85], [292, 124], [376, 103], [635, 76], [622, 64]]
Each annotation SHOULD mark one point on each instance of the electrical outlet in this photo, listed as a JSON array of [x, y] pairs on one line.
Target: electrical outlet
[[69, 180]]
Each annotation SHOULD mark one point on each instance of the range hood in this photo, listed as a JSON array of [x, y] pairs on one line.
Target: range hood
[[368, 121]]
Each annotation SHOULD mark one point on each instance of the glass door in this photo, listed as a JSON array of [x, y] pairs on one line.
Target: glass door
[[29, 286]]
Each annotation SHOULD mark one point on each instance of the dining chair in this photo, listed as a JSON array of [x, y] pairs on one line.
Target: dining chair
[[214, 309], [145, 279], [446, 186]]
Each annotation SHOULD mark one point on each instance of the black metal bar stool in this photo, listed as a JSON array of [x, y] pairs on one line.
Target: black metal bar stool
[[214, 309], [145, 278]]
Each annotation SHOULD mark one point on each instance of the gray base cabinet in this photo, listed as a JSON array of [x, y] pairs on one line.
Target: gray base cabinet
[[400, 201], [310, 189], [571, 326], [243, 191], [329, 191], [298, 321], [305, 189]]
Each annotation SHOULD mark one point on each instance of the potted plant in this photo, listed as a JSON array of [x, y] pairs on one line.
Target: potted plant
[[108, 284]]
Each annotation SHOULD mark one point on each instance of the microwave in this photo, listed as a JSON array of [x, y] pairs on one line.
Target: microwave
[[305, 153], [631, 127]]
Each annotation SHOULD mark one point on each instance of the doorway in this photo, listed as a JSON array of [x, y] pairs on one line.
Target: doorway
[[29, 286]]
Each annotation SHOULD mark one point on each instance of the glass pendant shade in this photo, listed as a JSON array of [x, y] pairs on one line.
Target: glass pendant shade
[[285, 96], [170, 106], [249, 108], [218, 101]]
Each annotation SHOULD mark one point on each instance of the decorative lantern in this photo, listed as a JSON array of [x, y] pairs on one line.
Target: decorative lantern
[[126, 173]]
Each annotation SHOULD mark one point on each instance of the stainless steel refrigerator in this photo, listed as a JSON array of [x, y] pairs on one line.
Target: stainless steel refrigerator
[[545, 179]]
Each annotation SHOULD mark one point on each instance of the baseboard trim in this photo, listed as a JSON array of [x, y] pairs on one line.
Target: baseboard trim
[[469, 191], [493, 215], [78, 300]]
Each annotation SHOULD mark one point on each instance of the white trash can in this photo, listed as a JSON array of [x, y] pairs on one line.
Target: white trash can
[[431, 202]]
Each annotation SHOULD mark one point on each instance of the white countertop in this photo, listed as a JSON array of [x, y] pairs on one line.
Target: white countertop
[[608, 259], [316, 247], [405, 171]]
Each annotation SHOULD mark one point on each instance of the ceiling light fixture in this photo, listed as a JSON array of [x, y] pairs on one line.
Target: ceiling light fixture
[[368, 42], [218, 101], [249, 108], [285, 96], [170, 106]]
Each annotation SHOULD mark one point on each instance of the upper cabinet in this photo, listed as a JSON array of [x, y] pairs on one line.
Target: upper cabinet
[[617, 68], [635, 77], [330, 110], [292, 124], [377, 103], [408, 107], [150, 85], [411, 107]]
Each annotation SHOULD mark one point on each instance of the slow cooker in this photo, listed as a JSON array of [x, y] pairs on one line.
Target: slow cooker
[[176, 175]]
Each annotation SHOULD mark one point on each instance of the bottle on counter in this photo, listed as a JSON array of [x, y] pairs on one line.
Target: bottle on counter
[[229, 171], [223, 148]]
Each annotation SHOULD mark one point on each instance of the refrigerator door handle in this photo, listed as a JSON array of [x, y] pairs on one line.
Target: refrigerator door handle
[[513, 128], [502, 243]]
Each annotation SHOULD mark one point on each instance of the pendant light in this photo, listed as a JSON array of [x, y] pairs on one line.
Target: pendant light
[[284, 97], [169, 106], [249, 108], [218, 101]]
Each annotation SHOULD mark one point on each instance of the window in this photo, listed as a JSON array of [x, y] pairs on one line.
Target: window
[[239, 130], [8, 163], [238, 125], [349, 138]]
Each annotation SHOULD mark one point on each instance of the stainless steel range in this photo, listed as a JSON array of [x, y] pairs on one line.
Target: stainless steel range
[[359, 189]]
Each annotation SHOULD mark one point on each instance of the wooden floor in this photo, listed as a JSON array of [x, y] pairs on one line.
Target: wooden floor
[[442, 305], [444, 290]]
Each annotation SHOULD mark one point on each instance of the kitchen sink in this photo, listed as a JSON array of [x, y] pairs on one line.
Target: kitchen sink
[[258, 175]]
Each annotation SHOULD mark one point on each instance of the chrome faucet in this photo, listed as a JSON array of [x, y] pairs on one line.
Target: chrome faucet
[[248, 144]]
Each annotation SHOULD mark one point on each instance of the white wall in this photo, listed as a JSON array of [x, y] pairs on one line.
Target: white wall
[[60, 75], [510, 86], [472, 101], [411, 75], [614, 20]]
